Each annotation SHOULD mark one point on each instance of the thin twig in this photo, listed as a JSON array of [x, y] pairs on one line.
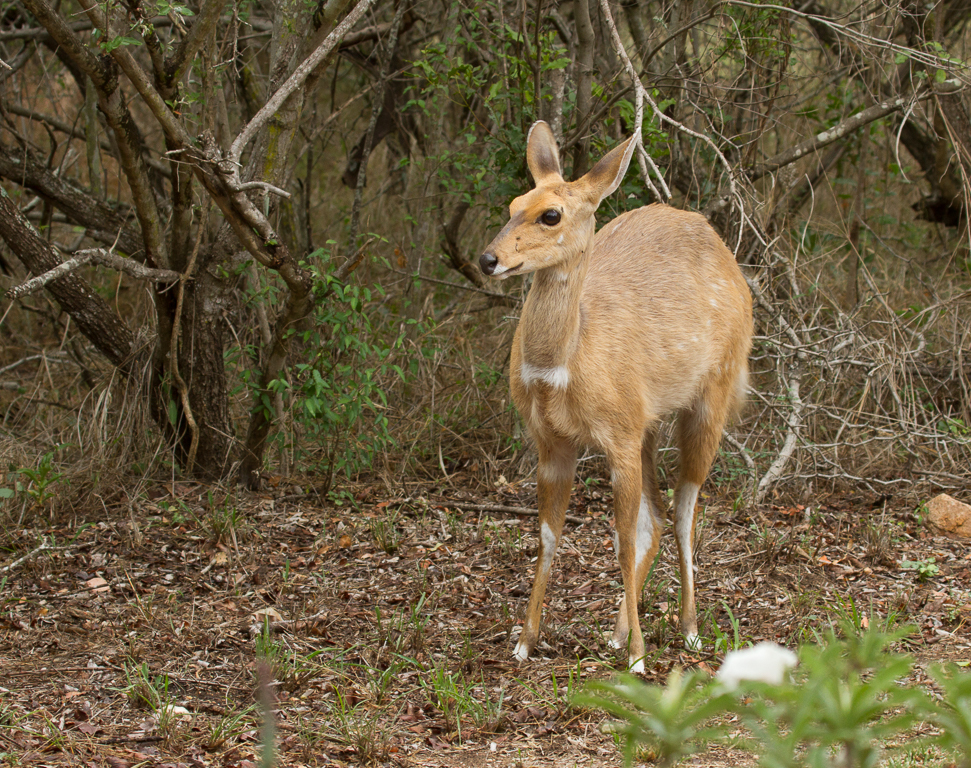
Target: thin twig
[[174, 347], [376, 109], [475, 289]]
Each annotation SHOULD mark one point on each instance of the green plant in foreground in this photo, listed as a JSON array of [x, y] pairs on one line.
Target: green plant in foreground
[[669, 721], [847, 700], [953, 714]]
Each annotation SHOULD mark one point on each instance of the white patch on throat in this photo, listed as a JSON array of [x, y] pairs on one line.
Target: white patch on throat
[[558, 377]]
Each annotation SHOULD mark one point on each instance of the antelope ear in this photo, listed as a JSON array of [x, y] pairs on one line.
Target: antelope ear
[[542, 154], [606, 175]]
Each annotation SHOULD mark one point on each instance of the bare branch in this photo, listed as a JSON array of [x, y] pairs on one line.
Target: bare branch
[[143, 83], [95, 256], [68, 39], [295, 80], [193, 41], [265, 186], [848, 126], [793, 424], [643, 94]]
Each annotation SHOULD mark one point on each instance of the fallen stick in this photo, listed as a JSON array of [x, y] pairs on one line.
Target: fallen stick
[[44, 545], [503, 508]]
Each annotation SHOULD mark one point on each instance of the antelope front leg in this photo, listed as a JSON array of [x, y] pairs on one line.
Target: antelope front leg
[[554, 482], [637, 542]]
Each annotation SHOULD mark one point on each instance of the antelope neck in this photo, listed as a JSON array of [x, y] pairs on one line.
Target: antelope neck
[[550, 323]]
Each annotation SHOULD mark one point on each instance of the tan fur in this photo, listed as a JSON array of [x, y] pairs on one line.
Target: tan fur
[[650, 317]]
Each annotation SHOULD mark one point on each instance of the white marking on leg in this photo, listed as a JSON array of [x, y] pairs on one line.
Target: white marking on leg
[[553, 472], [549, 547], [684, 515], [520, 654], [558, 377], [645, 531], [683, 529], [636, 666]]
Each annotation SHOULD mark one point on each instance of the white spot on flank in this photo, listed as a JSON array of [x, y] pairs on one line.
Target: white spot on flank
[[619, 225], [558, 377], [713, 302]]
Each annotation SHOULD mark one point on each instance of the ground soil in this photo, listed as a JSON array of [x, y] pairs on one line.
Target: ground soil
[[387, 619]]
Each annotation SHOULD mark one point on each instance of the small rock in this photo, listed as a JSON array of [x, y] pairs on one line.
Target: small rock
[[949, 515]]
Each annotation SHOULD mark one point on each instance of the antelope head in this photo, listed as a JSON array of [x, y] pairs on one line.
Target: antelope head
[[553, 224]]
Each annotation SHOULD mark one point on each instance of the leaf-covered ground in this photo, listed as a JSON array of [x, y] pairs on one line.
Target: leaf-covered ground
[[387, 619]]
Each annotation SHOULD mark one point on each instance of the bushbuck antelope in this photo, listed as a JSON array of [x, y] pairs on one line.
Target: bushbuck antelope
[[649, 317]]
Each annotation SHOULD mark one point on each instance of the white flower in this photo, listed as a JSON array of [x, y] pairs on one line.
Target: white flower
[[765, 662]]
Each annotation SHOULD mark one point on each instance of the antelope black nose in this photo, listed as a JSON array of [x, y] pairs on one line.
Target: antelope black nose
[[488, 263]]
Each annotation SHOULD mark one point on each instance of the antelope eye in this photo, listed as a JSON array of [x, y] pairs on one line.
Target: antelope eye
[[551, 218]]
